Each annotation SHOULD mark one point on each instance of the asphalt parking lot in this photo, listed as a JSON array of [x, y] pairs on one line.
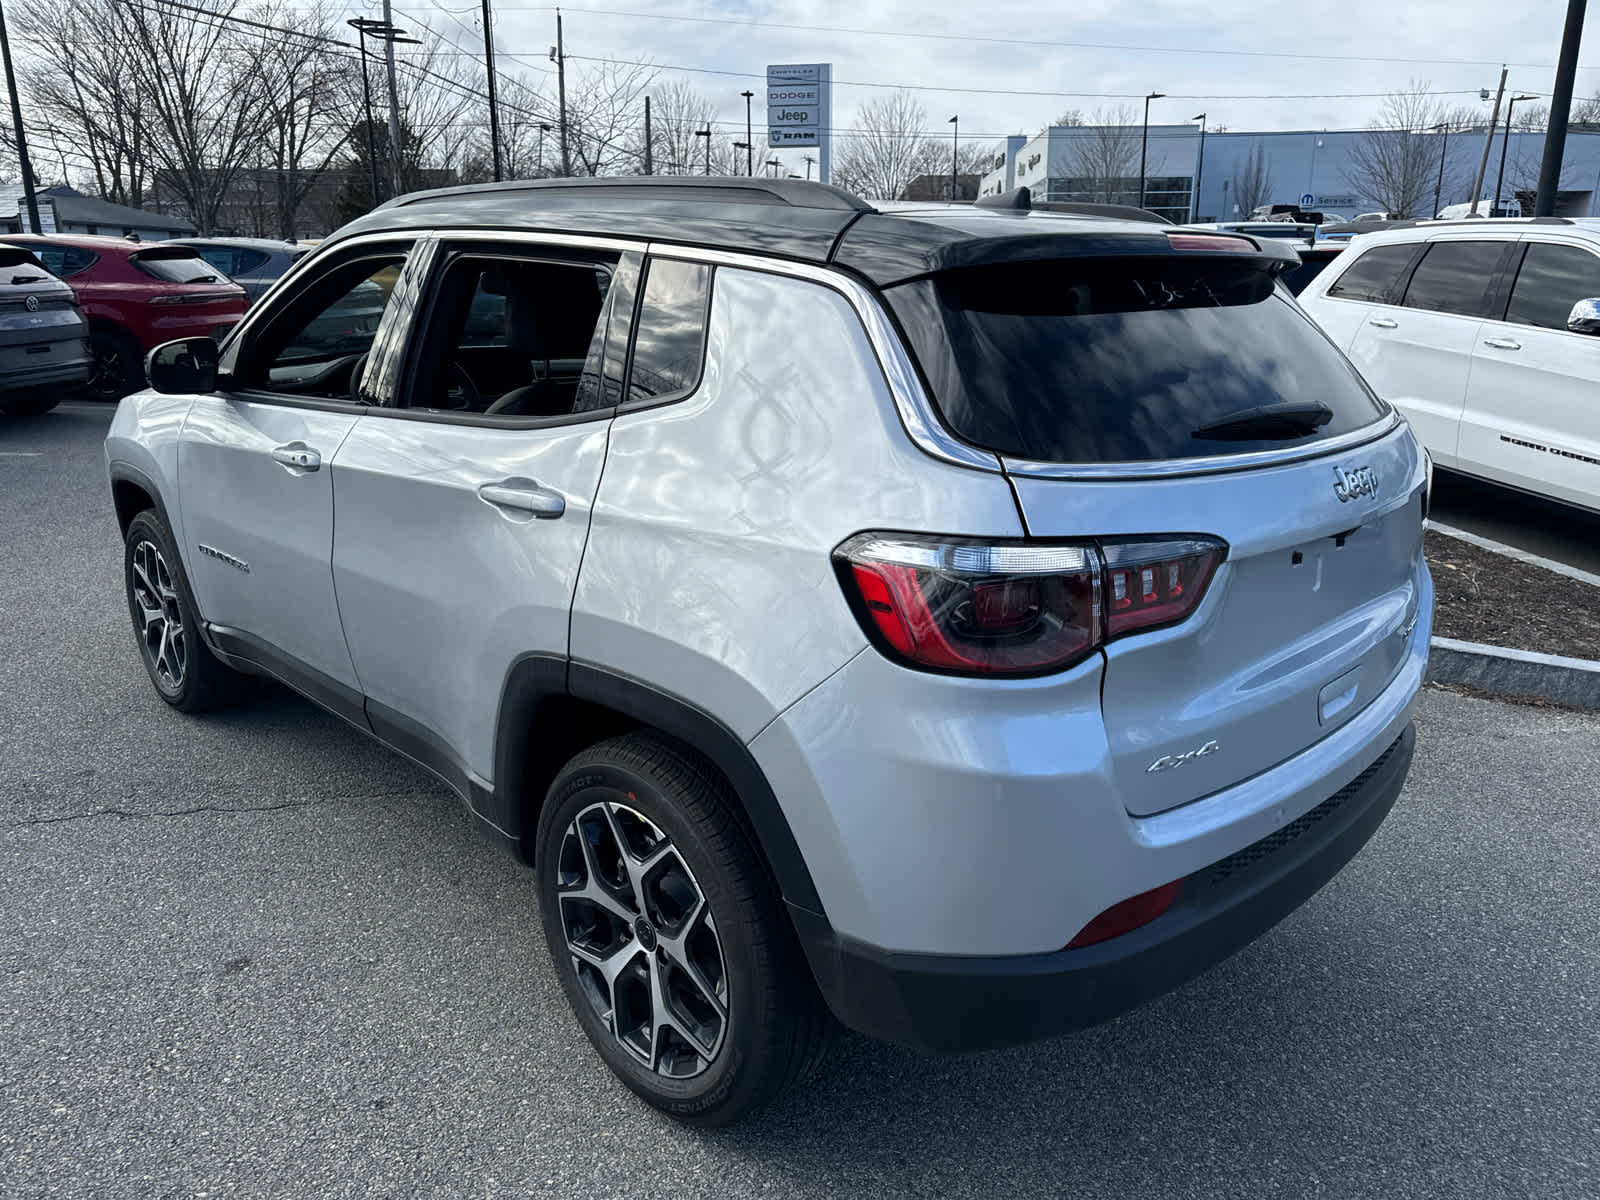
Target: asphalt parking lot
[[256, 955]]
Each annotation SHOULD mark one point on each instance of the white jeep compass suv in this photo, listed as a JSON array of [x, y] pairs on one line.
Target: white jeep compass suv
[[962, 622]]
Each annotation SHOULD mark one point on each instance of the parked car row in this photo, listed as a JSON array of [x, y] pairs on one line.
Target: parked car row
[[44, 340]]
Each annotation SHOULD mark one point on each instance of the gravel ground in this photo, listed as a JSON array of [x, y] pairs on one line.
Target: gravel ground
[[258, 956]]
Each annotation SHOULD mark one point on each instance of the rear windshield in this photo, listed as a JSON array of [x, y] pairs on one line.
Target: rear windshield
[[1090, 361], [178, 266]]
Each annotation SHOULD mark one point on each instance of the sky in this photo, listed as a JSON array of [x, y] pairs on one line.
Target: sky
[[1018, 61]]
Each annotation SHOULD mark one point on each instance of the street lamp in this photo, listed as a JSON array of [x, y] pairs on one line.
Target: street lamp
[[1199, 168], [1500, 178], [749, 137], [1144, 140], [955, 136], [544, 128], [706, 133], [809, 160], [1438, 186], [383, 31], [360, 24], [774, 164]]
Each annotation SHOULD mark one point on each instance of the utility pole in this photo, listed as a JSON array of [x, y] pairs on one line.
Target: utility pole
[[1438, 186], [749, 140], [494, 109], [394, 102], [31, 203], [1555, 138], [1488, 142], [558, 54], [647, 139]]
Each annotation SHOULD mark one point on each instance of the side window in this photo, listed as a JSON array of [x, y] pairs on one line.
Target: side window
[[62, 261], [244, 261], [1454, 277], [669, 342], [219, 257], [1553, 278], [1373, 276], [314, 340], [513, 337]]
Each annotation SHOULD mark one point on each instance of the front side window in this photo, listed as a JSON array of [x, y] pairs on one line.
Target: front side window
[[1553, 278], [669, 343], [1373, 276], [513, 337], [1455, 277], [316, 338]]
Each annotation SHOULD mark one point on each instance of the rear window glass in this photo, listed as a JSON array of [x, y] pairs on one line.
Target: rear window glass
[[62, 261], [1553, 278], [1117, 361], [1374, 275], [1454, 277], [178, 267]]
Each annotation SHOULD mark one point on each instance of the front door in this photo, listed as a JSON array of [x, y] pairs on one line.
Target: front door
[[464, 508], [254, 474]]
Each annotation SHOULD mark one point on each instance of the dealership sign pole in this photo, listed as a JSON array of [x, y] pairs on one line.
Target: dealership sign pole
[[800, 110]]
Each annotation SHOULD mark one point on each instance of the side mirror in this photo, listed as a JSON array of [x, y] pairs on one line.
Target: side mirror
[[1584, 317], [187, 365]]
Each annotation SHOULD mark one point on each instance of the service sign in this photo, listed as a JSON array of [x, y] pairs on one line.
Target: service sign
[[798, 104]]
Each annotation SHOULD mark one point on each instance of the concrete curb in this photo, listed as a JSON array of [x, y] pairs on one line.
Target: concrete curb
[[1512, 552], [1516, 674]]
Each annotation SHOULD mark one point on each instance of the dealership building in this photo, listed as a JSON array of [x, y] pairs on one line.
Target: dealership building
[[1236, 171]]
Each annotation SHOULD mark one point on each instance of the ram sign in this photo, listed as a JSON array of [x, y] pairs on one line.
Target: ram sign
[[799, 106]]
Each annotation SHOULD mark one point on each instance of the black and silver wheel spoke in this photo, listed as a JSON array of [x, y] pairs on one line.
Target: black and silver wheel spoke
[[160, 616], [641, 938]]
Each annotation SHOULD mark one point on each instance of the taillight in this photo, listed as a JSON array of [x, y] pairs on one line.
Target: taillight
[[1016, 608], [1210, 241], [1127, 915], [973, 607], [1156, 583]]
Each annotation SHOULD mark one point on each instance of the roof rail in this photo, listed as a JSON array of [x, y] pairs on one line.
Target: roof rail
[[1020, 199], [731, 189]]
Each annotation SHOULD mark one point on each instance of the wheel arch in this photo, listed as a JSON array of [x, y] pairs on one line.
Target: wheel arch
[[132, 491], [550, 709]]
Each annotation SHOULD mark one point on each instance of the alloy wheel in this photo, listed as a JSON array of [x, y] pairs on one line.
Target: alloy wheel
[[155, 600], [642, 939], [106, 373]]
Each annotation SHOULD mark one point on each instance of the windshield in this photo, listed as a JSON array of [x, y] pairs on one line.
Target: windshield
[[1120, 360], [178, 266]]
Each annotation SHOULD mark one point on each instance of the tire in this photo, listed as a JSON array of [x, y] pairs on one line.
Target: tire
[[166, 624], [691, 929], [115, 368], [29, 404]]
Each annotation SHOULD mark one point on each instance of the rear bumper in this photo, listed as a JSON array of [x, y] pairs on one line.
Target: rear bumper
[[954, 1003], [65, 364]]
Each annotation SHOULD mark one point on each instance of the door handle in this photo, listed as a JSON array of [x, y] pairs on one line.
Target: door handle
[[1383, 323], [544, 503], [1500, 343], [298, 455]]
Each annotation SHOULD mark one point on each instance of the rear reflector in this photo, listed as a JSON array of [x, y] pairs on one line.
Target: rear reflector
[[1128, 915]]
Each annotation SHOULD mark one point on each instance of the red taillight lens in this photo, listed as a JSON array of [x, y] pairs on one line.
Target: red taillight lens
[[1128, 915], [1210, 241], [975, 608], [1156, 583]]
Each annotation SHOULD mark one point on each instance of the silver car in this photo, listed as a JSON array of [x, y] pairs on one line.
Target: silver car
[[44, 340], [962, 623], [255, 264]]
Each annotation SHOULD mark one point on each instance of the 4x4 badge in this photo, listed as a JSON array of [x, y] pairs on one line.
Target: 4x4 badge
[[1357, 481]]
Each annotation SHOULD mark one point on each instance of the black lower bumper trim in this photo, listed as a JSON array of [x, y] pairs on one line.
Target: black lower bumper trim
[[935, 1002]]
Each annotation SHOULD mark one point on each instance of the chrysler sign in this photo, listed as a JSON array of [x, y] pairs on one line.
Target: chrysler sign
[[799, 104]]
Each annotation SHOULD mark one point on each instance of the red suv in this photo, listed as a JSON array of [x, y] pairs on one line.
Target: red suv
[[136, 295]]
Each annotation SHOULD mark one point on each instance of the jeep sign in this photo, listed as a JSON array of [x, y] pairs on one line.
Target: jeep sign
[[799, 105]]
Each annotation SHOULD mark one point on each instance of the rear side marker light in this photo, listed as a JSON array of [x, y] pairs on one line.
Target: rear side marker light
[[1128, 915], [972, 607]]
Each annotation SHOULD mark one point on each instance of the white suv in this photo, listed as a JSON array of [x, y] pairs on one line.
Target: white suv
[[971, 622], [1484, 334]]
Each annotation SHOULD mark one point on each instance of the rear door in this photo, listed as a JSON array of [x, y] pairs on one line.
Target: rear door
[[464, 507], [255, 481], [1532, 417], [1361, 277], [1418, 354], [1118, 396]]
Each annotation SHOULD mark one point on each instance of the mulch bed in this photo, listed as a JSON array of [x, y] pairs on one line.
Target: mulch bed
[[1486, 597]]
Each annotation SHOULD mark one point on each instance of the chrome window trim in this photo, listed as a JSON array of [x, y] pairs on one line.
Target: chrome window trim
[[910, 401], [1211, 465], [524, 237]]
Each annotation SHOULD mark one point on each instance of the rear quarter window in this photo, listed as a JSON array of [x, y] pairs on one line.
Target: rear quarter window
[[1087, 361]]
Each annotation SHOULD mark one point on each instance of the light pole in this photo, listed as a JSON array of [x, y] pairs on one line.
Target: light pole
[[1199, 168], [1438, 186], [391, 35], [494, 109], [745, 146], [359, 24], [1555, 133], [543, 129], [1144, 141], [809, 160], [774, 164], [29, 201], [706, 133], [749, 135], [955, 137], [1501, 177]]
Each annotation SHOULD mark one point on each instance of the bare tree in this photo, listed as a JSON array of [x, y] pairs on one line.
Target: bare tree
[[605, 117], [1252, 180], [1102, 162], [887, 147], [677, 112], [1586, 111], [1396, 162], [1073, 116]]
